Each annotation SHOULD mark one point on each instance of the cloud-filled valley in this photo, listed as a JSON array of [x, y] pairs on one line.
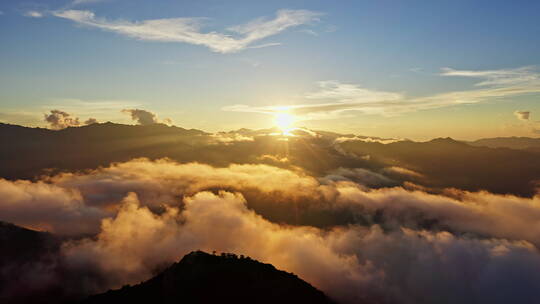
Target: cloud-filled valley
[[380, 245]]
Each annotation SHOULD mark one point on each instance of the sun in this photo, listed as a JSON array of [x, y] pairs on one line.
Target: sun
[[285, 122]]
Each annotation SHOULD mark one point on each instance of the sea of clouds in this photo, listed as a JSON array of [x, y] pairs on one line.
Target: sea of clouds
[[125, 222]]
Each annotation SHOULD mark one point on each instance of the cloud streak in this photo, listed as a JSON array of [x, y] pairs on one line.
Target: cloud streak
[[188, 30], [522, 115], [336, 97], [501, 77], [85, 2], [33, 14]]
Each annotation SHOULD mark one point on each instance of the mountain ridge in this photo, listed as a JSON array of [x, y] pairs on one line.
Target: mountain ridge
[[513, 142], [443, 162]]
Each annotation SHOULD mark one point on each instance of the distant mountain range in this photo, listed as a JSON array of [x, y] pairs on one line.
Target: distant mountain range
[[520, 143], [499, 165], [444, 162]]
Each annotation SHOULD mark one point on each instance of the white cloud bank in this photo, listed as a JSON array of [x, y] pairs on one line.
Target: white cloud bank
[[188, 30], [351, 264], [465, 247]]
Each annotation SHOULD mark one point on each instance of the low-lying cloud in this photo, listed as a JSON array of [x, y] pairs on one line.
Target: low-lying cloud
[[231, 137], [58, 120], [47, 207], [352, 264], [144, 117], [356, 243], [345, 195], [522, 115]]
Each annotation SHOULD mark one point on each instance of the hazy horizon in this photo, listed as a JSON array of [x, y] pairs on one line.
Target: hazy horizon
[[277, 129]]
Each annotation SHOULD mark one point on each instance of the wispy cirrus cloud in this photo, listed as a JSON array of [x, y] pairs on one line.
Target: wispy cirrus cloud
[[188, 30], [84, 2], [496, 77], [350, 92], [34, 14], [336, 97]]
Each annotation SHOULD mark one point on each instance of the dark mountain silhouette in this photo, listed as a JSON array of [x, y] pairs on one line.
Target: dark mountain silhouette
[[205, 278], [31, 150], [28, 265], [20, 245], [32, 272], [443, 162]]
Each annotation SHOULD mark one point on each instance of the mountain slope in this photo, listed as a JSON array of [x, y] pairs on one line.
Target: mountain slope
[[28, 266], [445, 162], [205, 278], [27, 151]]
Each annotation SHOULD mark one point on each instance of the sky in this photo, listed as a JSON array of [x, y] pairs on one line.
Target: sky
[[401, 69]]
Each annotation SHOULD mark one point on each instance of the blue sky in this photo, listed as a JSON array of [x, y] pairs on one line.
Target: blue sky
[[415, 69]]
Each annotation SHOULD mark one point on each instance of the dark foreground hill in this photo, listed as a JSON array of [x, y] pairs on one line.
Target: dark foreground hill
[[32, 271], [205, 278], [28, 266], [18, 245]]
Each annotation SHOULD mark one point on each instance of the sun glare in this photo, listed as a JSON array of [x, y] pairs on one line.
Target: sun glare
[[285, 122]]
